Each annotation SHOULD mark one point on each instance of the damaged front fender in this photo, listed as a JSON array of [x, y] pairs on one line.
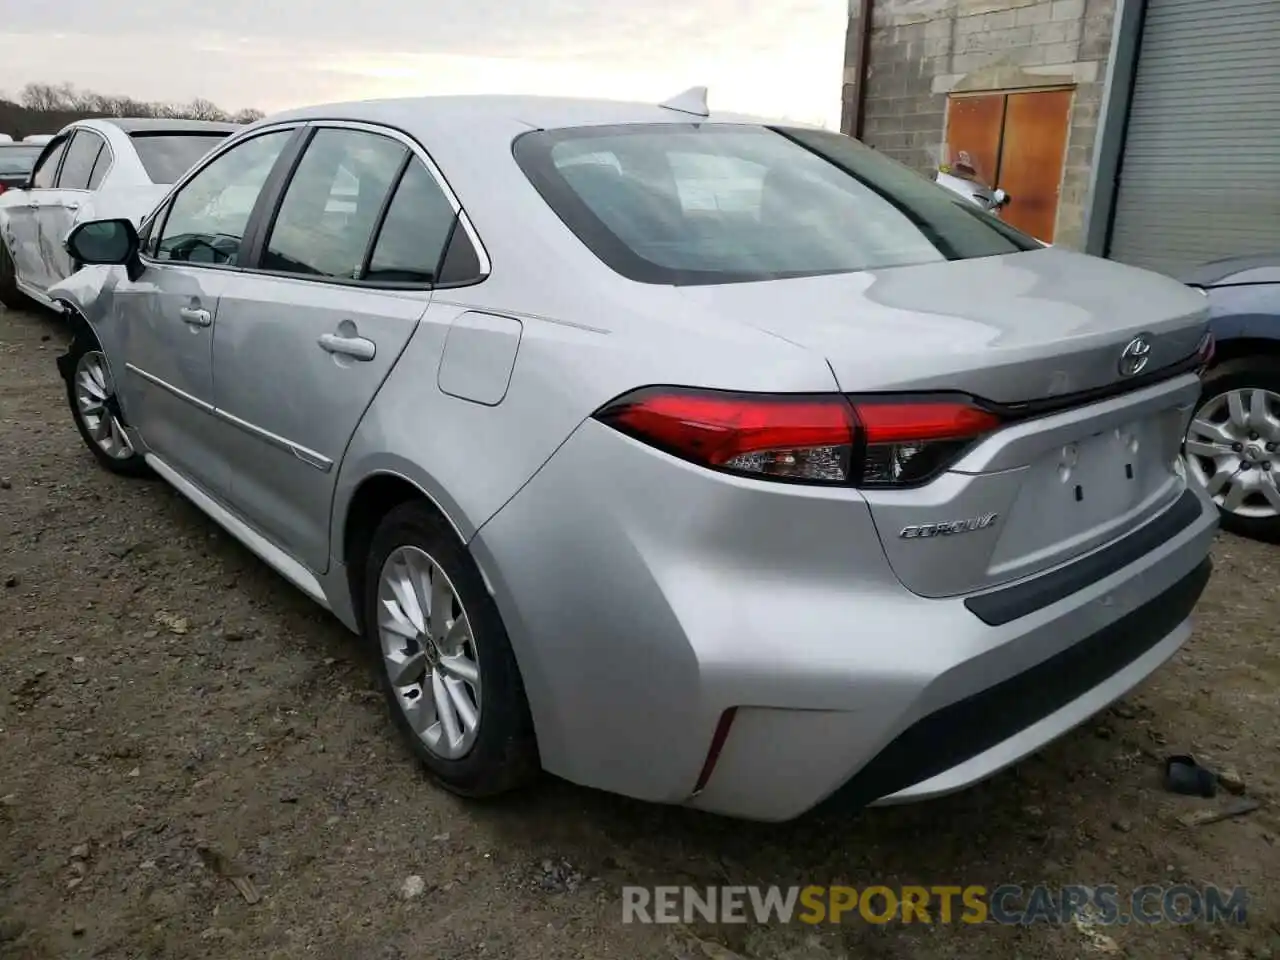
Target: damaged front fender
[[88, 292]]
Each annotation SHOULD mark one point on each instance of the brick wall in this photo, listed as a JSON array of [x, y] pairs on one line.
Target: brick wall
[[922, 50]]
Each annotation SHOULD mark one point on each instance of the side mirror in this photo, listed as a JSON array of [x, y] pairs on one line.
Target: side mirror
[[103, 242]]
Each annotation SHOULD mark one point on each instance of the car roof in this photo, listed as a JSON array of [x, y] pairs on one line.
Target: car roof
[[160, 125], [455, 114]]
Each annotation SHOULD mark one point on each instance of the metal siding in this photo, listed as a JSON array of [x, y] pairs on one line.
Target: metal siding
[[1200, 174]]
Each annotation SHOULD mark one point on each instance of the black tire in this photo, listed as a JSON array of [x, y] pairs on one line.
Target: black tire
[[10, 295], [504, 756], [1254, 373], [84, 342]]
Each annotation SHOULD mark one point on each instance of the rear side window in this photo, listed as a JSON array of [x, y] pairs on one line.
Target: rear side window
[[412, 240], [332, 204], [77, 168], [16, 161], [48, 168], [725, 203], [167, 156]]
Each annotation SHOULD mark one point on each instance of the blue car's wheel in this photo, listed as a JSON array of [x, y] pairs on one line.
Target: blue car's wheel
[[1233, 445]]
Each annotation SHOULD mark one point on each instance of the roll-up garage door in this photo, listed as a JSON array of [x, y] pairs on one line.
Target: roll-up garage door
[[1200, 172]]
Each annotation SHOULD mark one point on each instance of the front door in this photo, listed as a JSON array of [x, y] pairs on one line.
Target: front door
[[301, 347], [168, 317], [22, 219]]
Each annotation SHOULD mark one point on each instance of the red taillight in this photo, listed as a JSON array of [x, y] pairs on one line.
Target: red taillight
[[910, 441], [3, 188], [826, 438]]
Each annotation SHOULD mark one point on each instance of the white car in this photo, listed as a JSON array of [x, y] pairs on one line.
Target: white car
[[90, 169]]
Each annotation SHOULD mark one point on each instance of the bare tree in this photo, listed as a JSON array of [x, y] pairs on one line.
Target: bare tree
[[41, 96], [65, 98], [201, 109]]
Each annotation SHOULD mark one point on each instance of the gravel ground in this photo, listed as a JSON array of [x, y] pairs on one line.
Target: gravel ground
[[172, 712]]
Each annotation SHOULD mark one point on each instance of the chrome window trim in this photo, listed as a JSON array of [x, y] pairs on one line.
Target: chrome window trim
[[412, 145]]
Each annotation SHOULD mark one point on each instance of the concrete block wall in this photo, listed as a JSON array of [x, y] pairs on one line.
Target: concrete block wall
[[923, 50]]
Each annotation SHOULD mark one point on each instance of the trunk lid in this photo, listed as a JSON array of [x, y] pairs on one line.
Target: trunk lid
[[1013, 330]]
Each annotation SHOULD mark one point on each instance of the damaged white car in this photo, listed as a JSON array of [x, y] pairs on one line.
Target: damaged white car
[[91, 169]]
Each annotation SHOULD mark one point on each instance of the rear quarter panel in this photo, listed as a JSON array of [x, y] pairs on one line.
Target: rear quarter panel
[[472, 457]]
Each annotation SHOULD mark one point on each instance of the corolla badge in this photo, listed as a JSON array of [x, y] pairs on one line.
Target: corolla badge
[[947, 528], [1136, 355]]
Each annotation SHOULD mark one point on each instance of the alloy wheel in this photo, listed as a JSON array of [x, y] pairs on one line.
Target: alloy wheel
[[429, 652], [1233, 449], [97, 407]]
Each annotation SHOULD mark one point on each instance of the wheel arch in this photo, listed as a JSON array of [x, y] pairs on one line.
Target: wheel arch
[[1235, 349], [374, 496]]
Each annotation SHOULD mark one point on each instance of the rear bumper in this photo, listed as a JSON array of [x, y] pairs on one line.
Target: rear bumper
[[645, 597], [973, 738]]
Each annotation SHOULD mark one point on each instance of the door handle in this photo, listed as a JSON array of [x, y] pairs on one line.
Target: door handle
[[356, 347], [195, 316]]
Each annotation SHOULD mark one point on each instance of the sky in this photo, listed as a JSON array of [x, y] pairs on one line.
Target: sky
[[779, 58]]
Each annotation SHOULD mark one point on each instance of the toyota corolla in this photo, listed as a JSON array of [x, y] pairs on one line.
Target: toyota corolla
[[703, 459]]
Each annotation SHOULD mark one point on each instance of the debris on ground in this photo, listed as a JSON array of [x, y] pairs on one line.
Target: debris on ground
[[1231, 781], [1198, 818], [1184, 775], [234, 873]]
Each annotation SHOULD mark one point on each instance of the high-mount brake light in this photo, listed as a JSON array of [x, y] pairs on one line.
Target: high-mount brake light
[[805, 438]]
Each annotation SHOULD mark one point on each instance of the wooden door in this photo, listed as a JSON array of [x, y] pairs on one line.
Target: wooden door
[[974, 126], [1031, 158], [1018, 143]]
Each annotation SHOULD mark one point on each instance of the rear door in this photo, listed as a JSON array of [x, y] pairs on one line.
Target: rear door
[[22, 225], [57, 209], [304, 341]]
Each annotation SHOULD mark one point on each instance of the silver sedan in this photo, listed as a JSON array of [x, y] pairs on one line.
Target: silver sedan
[[686, 455]]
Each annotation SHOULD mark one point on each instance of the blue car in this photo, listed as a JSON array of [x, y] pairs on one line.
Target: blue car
[[1233, 442]]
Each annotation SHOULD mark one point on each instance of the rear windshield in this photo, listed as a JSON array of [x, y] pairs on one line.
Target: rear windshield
[[724, 203], [18, 159], [167, 156]]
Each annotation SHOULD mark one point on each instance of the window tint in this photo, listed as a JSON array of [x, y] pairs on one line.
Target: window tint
[[332, 204], [47, 170], [207, 218], [414, 233], [167, 156], [684, 204], [81, 156]]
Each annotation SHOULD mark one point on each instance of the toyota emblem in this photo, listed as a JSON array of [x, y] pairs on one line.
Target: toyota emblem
[[1135, 356]]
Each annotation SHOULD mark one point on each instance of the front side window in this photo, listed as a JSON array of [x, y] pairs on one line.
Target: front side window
[[47, 168], [81, 157], [207, 218], [411, 242], [722, 203], [332, 203]]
